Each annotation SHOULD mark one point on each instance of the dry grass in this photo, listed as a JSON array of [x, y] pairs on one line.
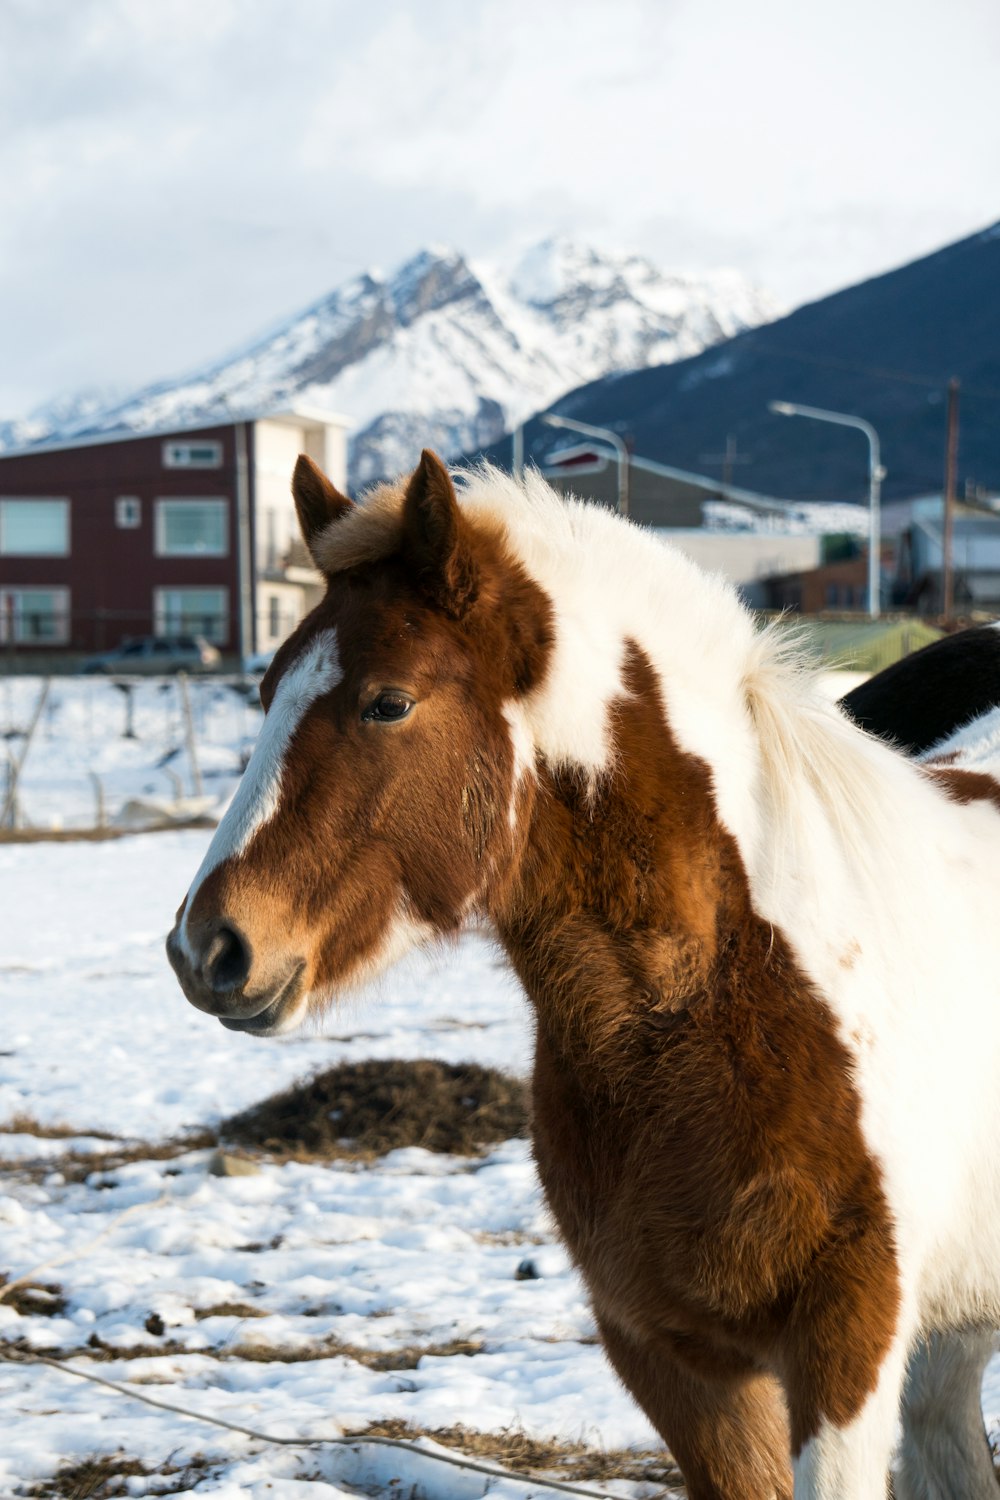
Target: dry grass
[[229, 1310], [104, 1476], [373, 1359], [26, 1125], [34, 1298], [77, 1166], [365, 1109], [405, 1358], [516, 1451], [93, 835]]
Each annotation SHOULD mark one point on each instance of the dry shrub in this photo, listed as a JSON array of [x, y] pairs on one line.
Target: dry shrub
[[107, 1475], [33, 1298], [367, 1108], [513, 1449]]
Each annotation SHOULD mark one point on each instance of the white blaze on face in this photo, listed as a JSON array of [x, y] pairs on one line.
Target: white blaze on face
[[258, 795]]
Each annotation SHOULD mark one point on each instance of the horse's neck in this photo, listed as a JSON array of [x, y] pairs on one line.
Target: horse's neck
[[638, 894], [628, 897]]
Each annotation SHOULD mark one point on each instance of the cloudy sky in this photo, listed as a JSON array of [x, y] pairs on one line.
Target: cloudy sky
[[177, 174]]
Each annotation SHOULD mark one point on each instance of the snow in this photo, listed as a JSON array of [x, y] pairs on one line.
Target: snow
[[467, 348], [414, 1252], [804, 518], [328, 1266]]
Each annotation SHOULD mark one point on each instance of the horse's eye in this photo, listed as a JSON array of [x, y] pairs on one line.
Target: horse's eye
[[387, 708]]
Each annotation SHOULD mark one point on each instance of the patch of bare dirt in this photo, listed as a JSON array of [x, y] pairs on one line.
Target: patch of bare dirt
[[365, 1109]]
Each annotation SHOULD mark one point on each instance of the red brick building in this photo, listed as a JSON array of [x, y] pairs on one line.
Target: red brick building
[[178, 533]]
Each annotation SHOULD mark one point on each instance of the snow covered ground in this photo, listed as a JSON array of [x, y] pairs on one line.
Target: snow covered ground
[[304, 1300], [80, 755], [301, 1301]]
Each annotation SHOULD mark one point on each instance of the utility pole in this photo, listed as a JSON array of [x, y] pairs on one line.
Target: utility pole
[[876, 474], [950, 479], [606, 435], [728, 460]]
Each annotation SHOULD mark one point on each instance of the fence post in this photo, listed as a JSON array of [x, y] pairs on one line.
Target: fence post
[[8, 817], [192, 749]]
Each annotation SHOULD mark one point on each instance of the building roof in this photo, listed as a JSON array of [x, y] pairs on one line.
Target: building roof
[[290, 416], [574, 459]]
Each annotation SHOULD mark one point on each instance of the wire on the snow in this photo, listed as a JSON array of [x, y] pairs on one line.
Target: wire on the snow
[[78, 1250], [17, 1356]]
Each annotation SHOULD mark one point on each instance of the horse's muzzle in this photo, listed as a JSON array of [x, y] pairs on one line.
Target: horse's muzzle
[[215, 967]]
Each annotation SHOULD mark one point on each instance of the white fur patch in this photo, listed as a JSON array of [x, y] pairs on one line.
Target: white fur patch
[[524, 752], [885, 889], [258, 795]]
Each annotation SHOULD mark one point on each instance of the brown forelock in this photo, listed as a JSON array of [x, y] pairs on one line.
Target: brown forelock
[[697, 1128], [374, 815], [964, 786]]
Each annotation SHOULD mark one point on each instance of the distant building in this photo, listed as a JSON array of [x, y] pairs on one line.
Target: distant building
[[840, 585], [659, 495], [179, 532], [918, 582], [753, 560]]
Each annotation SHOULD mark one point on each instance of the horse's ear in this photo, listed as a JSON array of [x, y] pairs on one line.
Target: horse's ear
[[437, 538], [317, 501]]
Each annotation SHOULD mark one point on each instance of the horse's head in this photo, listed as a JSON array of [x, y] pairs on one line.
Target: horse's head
[[383, 801]]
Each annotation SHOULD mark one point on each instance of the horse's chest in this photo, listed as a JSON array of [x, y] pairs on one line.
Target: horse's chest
[[632, 1227]]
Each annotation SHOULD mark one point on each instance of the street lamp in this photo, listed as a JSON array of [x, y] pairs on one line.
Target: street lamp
[[606, 436], [876, 474]]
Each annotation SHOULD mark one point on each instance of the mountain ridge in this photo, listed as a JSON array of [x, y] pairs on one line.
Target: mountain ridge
[[445, 351]]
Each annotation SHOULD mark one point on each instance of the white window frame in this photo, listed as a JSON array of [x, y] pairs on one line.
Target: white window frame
[[128, 512], [164, 625], [12, 616], [162, 550], [180, 453], [63, 551]]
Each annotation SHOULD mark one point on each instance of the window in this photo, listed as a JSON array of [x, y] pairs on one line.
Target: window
[[128, 512], [35, 617], [192, 528], [274, 616], [192, 455], [34, 528], [193, 612]]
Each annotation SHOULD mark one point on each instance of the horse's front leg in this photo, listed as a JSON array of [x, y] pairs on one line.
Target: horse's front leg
[[945, 1453], [728, 1431], [851, 1461]]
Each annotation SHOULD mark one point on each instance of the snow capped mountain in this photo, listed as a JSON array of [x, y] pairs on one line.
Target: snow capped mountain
[[447, 352]]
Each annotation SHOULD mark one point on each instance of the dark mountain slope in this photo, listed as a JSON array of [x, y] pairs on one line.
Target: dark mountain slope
[[883, 350]]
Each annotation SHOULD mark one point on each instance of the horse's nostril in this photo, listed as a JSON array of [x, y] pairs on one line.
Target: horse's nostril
[[226, 965]]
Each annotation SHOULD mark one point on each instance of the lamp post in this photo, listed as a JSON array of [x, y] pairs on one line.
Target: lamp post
[[606, 436], [876, 474]]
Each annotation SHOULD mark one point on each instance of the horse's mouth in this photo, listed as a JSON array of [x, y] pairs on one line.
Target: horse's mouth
[[268, 1022]]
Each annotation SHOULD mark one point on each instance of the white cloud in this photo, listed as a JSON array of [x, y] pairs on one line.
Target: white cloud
[[177, 173]]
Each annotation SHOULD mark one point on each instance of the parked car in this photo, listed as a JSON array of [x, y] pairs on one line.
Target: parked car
[[257, 663], [152, 655]]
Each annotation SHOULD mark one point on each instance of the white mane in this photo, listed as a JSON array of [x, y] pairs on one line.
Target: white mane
[[746, 701]]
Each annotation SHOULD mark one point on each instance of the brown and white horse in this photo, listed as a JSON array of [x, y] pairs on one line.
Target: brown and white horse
[[762, 950]]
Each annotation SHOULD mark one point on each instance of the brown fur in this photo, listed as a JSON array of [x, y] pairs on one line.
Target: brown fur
[[965, 786], [697, 1129]]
